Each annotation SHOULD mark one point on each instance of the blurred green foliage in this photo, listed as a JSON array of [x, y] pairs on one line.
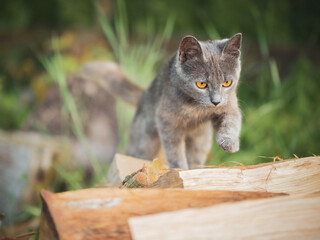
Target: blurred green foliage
[[139, 61], [20, 14], [284, 21], [55, 67]]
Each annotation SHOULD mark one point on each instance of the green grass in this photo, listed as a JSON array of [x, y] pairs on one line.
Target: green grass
[[139, 60], [15, 113], [55, 68]]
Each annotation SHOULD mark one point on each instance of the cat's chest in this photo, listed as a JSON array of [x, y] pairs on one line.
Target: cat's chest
[[191, 116], [185, 116]]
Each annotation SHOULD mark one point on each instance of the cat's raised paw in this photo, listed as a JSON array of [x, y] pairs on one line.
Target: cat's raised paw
[[228, 144]]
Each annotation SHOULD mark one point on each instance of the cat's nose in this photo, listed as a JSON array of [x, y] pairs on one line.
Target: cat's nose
[[215, 102]]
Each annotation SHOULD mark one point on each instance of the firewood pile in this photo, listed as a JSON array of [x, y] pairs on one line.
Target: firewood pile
[[276, 200]]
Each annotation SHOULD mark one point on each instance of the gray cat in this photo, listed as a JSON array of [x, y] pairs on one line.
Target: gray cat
[[192, 95]]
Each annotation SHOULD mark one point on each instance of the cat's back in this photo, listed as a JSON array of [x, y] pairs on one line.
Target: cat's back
[[159, 84]]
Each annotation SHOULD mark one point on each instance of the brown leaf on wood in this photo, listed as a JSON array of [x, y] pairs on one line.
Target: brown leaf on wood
[[145, 176]]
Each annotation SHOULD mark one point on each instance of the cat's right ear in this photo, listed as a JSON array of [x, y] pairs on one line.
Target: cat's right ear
[[189, 48], [232, 46]]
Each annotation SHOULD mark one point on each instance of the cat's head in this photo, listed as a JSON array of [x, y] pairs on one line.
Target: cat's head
[[208, 71]]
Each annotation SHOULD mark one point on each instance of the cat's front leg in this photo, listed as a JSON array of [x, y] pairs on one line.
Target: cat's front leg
[[227, 127], [173, 142]]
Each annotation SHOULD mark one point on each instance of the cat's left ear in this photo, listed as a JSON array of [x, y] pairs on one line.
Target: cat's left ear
[[189, 48], [232, 47]]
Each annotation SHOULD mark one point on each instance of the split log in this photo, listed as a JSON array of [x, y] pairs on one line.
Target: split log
[[292, 217], [296, 176], [103, 213]]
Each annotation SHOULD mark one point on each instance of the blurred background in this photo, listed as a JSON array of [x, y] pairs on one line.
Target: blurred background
[[60, 131]]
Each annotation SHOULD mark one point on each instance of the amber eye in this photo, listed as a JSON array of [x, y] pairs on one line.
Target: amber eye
[[226, 83], [202, 84]]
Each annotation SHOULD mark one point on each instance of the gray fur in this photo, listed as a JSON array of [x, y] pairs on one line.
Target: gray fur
[[173, 111]]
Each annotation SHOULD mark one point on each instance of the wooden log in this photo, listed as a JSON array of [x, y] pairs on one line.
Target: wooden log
[[103, 213], [293, 217], [296, 176]]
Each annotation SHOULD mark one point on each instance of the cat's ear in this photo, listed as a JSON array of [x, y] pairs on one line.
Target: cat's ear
[[232, 47], [189, 48]]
